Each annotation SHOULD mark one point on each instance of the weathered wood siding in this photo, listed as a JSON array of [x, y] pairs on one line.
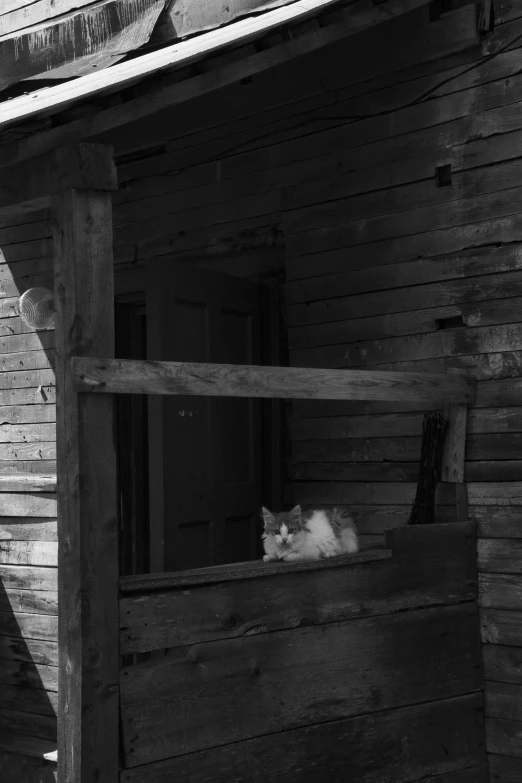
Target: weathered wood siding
[[311, 675], [28, 540], [276, 169]]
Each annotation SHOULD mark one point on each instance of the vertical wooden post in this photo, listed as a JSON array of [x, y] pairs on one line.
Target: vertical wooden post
[[87, 508]]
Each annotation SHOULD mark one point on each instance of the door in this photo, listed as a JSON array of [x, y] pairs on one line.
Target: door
[[204, 452]]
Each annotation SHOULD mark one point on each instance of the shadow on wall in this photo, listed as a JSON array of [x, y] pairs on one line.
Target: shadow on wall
[[28, 534]]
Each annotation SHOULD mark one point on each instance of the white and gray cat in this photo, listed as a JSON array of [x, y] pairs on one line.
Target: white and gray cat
[[309, 535]]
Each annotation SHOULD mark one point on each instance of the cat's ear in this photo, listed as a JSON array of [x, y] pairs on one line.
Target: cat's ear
[[267, 515], [296, 512]]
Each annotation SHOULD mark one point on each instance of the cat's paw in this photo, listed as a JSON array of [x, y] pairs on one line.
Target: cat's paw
[[269, 559]]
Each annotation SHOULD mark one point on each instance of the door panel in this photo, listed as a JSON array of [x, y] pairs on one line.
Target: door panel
[[205, 453]]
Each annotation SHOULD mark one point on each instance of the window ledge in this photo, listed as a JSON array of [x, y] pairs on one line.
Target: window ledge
[[249, 570]]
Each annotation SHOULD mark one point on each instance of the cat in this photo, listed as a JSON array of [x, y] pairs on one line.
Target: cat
[[309, 535]]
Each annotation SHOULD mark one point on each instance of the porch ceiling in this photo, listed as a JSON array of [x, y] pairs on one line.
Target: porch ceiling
[[99, 101]]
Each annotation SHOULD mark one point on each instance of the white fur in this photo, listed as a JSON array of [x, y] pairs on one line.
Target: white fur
[[316, 541]]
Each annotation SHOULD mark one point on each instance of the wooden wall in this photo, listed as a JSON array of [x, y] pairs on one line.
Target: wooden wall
[[310, 672], [380, 252], [28, 541]]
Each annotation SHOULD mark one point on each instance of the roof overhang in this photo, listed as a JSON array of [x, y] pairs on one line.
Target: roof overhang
[[175, 81]]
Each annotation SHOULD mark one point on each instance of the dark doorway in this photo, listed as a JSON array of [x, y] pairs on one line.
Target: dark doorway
[[194, 471]]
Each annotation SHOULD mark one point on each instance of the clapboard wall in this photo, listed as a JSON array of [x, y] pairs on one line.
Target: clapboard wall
[[28, 541], [277, 173]]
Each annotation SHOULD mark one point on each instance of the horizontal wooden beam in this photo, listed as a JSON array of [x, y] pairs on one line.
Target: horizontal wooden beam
[[146, 583], [166, 63], [230, 380], [29, 185]]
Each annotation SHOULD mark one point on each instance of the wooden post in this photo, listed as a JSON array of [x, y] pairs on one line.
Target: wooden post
[[87, 509]]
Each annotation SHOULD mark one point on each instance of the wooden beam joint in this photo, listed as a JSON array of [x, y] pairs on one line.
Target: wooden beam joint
[[30, 185]]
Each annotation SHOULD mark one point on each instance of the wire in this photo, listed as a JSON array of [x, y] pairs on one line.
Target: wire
[[357, 117]]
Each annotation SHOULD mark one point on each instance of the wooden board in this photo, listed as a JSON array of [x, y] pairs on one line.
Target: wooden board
[[431, 566], [501, 626], [500, 591], [40, 553], [504, 737], [499, 555], [147, 377], [29, 578], [228, 675], [30, 700], [30, 601], [502, 663], [87, 509], [61, 49], [29, 724], [24, 769], [253, 569], [445, 739], [504, 768], [30, 626]]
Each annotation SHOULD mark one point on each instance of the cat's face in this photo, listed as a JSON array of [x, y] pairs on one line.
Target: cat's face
[[285, 526]]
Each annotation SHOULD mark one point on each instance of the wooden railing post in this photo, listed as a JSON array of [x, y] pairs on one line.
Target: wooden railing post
[[87, 508]]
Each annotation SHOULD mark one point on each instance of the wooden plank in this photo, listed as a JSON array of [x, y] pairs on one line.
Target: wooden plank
[[37, 676], [33, 602], [503, 737], [428, 244], [339, 303], [500, 522], [27, 483], [31, 626], [484, 313], [30, 529], [18, 767], [40, 553], [318, 493], [487, 470], [474, 262], [29, 746], [412, 579], [500, 591], [29, 578], [446, 740], [147, 377], [27, 396], [177, 56], [24, 504], [29, 185], [507, 769], [359, 744], [27, 414], [30, 724], [62, 49], [17, 648], [397, 449], [25, 433], [501, 626], [502, 663], [27, 452], [339, 427], [87, 509], [30, 700], [151, 712], [498, 555], [503, 700], [248, 570]]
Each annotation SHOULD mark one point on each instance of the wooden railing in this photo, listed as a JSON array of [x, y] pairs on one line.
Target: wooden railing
[[230, 380]]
